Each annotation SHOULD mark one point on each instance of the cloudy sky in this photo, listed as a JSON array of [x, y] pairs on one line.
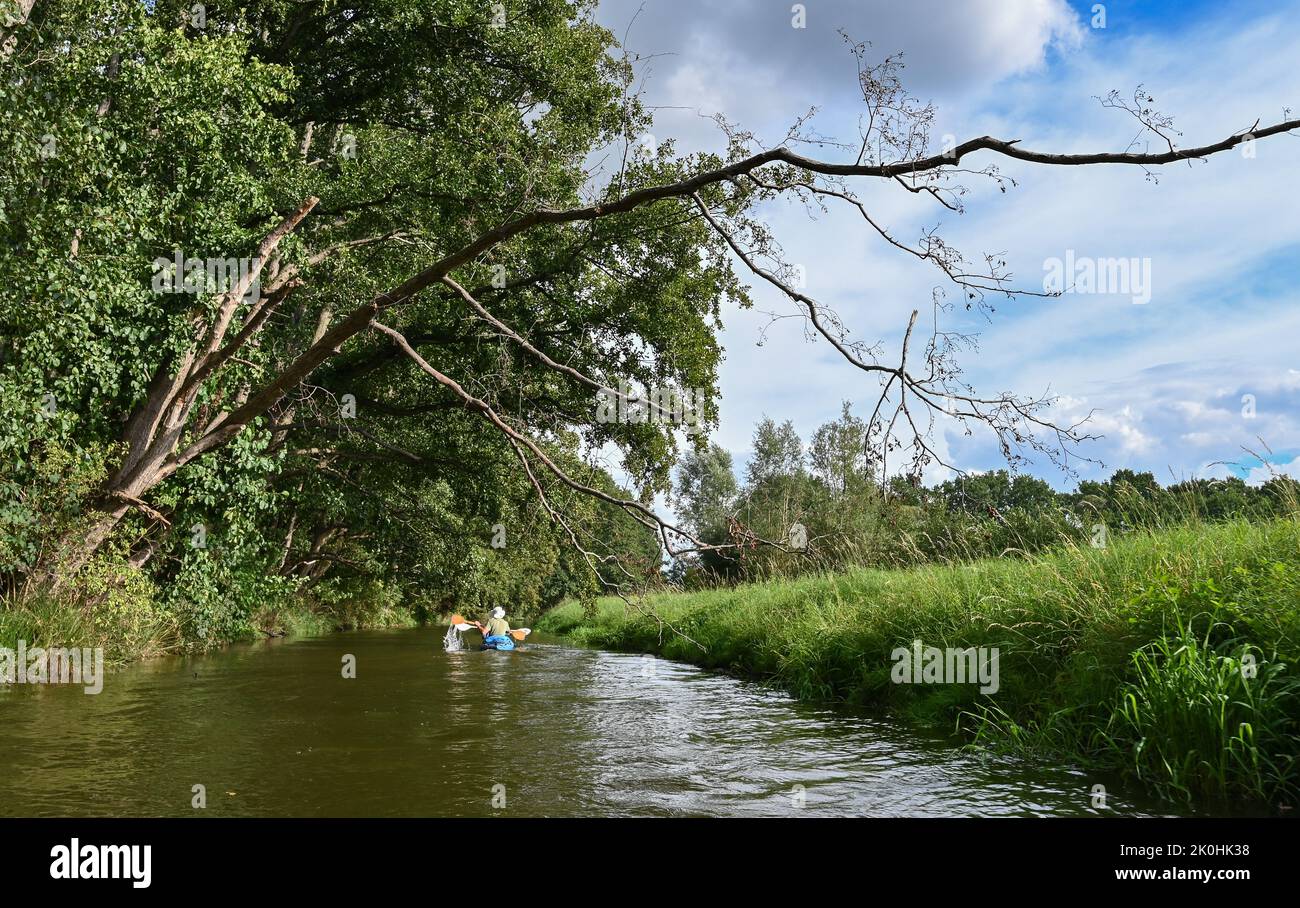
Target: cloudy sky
[[1168, 378]]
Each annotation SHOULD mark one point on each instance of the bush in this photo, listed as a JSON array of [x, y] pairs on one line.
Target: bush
[[112, 605]]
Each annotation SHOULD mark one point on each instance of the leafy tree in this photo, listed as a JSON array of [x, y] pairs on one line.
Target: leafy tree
[[706, 488], [777, 453], [996, 492], [838, 453]]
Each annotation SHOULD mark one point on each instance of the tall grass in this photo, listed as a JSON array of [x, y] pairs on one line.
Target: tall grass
[[1207, 720], [111, 605], [1095, 660]]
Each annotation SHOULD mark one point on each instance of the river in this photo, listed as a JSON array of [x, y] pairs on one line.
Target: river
[[550, 730]]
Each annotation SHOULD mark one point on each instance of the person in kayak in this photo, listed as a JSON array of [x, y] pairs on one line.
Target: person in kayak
[[497, 629]]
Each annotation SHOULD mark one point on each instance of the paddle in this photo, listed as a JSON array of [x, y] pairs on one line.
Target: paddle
[[462, 625]]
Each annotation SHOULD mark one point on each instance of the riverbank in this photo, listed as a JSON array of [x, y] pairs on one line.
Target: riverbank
[[120, 611], [1166, 656]]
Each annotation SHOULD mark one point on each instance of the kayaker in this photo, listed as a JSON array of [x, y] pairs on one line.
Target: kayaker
[[497, 626]]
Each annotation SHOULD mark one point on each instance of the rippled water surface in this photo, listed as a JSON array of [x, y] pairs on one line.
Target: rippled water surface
[[276, 730]]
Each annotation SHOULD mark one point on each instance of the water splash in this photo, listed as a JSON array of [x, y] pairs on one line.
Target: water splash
[[451, 641]]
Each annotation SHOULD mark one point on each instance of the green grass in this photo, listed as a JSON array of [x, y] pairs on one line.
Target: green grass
[[300, 618], [107, 606], [1167, 655], [120, 609]]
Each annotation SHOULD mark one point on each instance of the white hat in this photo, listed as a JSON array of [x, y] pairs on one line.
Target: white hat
[[498, 612]]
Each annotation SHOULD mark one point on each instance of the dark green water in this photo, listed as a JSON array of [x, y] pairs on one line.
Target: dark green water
[[276, 730]]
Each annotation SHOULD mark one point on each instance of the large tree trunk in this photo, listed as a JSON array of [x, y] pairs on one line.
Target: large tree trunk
[[155, 428], [78, 552]]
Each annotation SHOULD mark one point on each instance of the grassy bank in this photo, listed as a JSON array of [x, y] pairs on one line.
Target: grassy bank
[[1168, 656], [123, 612]]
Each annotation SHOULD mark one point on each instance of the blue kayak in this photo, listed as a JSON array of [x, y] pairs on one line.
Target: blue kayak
[[498, 641]]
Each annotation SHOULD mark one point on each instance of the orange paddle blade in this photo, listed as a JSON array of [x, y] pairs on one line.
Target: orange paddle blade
[[521, 633], [457, 619]]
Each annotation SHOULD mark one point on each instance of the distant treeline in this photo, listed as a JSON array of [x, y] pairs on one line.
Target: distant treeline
[[826, 508]]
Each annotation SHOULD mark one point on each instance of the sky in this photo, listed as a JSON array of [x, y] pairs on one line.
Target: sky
[[1181, 383]]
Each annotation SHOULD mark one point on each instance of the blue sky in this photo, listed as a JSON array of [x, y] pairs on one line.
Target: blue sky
[[1205, 369]]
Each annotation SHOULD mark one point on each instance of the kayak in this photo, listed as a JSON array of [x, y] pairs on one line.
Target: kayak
[[451, 642]]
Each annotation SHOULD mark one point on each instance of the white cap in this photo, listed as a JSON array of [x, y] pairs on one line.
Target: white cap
[[498, 612]]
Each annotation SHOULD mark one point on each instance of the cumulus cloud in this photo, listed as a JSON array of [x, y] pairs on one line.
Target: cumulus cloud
[[950, 47], [744, 58]]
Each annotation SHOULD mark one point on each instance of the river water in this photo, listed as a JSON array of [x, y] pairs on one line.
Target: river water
[[548, 730]]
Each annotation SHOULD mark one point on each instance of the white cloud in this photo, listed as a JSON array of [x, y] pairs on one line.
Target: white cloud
[[1122, 425], [743, 58]]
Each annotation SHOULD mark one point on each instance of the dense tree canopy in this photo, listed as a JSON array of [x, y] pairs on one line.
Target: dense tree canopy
[[336, 147]]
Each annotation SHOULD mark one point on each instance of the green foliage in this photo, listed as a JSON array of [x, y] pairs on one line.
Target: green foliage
[[778, 453], [1198, 719], [705, 488], [132, 133], [113, 606], [43, 504]]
